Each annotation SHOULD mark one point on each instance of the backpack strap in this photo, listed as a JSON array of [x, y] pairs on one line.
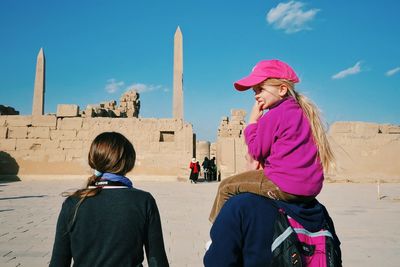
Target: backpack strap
[[301, 230], [284, 227], [284, 248], [288, 250]]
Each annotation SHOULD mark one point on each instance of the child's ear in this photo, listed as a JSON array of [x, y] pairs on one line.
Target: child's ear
[[283, 90]]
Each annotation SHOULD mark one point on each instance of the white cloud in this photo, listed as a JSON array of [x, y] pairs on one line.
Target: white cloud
[[291, 17], [392, 71], [350, 71], [113, 86], [143, 88]]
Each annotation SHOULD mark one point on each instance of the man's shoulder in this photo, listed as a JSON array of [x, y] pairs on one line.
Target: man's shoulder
[[249, 197], [250, 203]]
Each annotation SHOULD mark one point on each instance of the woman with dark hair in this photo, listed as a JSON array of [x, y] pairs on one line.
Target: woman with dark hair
[[108, 222]]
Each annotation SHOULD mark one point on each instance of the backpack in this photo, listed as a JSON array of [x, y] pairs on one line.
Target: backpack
[[294, 246]]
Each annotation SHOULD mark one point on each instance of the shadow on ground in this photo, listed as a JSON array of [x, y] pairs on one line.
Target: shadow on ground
[[20, 197], [8, 168], [6, 210]]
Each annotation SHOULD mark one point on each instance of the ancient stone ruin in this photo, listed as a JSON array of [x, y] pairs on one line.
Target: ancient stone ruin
[[129, 107], [58, 144], [230, 146], [365, 152], [130, 104]]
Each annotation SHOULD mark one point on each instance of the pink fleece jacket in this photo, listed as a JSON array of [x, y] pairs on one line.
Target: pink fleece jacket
[[283, 142]]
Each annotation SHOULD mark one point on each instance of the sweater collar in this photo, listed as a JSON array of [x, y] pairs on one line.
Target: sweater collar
[[287, 98]]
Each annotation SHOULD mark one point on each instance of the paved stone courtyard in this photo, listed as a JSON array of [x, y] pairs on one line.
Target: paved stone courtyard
[[367, 227]]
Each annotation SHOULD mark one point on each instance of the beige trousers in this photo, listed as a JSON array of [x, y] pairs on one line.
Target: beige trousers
[[252, 182]]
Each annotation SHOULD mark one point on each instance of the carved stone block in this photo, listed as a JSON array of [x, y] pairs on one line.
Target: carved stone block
[[3, 132], [39, 132], [67, 110], [17, 132], [7, 144], [70, 123], [19, 121], [28, 144], [62, 134], [45, 121]]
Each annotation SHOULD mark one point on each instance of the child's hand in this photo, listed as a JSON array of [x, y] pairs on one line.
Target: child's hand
[[256, 113]]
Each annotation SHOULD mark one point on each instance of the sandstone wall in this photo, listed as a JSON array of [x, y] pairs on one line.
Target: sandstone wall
[[213, 150], [49, 144], [202, 150], [365, 152], [230, 146], [231, 153], [55, 145]]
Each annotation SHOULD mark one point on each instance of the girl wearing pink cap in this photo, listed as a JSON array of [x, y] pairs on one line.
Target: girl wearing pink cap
[[289, 140]]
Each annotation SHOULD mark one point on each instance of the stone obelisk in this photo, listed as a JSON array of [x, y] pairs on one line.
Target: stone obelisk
[[177, 105], [38, 93]]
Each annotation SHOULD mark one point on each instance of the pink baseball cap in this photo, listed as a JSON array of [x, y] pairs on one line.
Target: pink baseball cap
[[267, 69]]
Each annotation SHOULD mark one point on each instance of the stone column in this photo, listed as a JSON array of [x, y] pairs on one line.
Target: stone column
[[38, 94], [177, 105]]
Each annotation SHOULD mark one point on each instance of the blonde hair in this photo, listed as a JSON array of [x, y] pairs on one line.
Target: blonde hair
[[313, 115]]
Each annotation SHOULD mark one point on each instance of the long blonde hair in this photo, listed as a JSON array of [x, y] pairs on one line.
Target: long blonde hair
[[313, 115]]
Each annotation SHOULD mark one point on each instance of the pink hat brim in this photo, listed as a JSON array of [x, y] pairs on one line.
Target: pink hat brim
[[248, 82]]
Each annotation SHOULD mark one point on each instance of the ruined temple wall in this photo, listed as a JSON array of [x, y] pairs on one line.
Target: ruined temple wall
[[213, 150], [230, 153], [54, 145], [365, 152], [230, 146], [202, 150]]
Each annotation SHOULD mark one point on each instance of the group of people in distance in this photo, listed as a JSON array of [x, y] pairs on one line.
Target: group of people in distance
[[109, 222], [209, 170]]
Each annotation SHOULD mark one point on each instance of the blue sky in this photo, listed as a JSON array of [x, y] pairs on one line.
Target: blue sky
[[346, 54]]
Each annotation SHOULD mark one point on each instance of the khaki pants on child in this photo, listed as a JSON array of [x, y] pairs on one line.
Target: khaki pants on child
[[252, 182]]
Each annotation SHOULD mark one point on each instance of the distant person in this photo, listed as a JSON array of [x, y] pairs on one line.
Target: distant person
[[213, 169], [109, 222], [194, 170], [206, 169], [199, 168], [248, 231], [289, 140]]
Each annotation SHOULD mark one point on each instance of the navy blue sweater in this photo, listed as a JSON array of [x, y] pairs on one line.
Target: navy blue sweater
[[242, 233]]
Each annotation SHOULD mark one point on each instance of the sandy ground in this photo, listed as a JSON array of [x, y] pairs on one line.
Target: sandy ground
[[367, 226]]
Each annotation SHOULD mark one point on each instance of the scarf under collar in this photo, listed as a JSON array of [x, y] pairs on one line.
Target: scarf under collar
[[115, 178]]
